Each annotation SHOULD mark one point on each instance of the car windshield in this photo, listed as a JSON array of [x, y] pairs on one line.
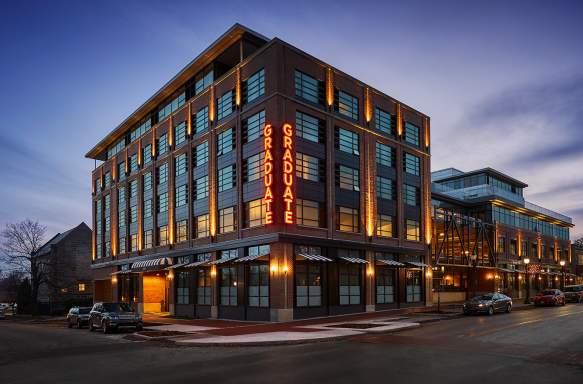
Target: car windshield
[[573, 289], [84, 311], [483, 297], [548, 293], [117, 307]]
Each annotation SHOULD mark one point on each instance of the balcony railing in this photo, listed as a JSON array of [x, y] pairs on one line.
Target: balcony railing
[[477, 192], [547, 212]]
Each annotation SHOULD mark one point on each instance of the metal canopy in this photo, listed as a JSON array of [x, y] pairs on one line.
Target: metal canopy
[[151, 264], [196, 264], [354, 260], [391, 263], [249, 258], [314, 257], [178, 265], [417, 264], [221, 261]]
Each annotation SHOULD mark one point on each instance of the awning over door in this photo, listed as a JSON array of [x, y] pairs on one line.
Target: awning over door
[[196, 264], [353, 260], [152, 264], [314, 257]]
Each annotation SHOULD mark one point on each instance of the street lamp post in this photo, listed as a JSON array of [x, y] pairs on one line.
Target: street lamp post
[[474, 261], [562, 263], [526, 261]]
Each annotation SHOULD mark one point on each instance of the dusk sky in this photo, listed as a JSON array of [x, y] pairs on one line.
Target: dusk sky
[[501, 81]]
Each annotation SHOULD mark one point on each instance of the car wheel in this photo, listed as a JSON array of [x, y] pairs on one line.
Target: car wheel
[[509, 308], [490, 311], [91, 327], [139, 328], [69, 325]]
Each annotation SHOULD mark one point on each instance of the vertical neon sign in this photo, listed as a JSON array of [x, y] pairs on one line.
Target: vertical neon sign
[[288, 169], [268, 173]]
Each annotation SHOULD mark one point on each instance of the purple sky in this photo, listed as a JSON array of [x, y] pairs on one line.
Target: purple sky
[[501, 80]]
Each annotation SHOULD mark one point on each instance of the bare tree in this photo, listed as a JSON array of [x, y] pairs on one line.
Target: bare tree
[[20, 242], [579, 242]]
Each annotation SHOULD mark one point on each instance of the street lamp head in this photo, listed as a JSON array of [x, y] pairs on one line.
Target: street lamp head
[[562, 262], [526, 260]]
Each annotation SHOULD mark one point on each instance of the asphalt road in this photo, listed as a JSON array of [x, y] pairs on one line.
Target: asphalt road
[[543, 345]]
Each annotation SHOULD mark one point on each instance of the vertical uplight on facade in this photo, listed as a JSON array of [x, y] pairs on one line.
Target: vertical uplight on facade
[[238, 87], [154, 142], [288, 173], [170, 132], [329, 87], [189, 120], [268, 172], [367, 106], [211, 103], [126, 162], [426, 129], [399, 120], [140, 152], [370, 188]]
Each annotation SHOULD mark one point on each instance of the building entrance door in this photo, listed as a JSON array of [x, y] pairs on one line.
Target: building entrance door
[[155, 295]]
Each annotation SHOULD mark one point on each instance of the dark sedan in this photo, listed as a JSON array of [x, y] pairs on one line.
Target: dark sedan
[[489, 303], [574, 293], [550, 297], [78, 316], [111, 316]]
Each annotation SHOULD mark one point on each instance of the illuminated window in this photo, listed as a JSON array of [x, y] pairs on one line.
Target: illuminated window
[[308, 88], [225, 105], [411, 134], [308, 279], [310, 128], [309, 167], [147, 208], [413, 286], [501, 245], [122, 245], [347, 141], [171, 106], [228, 286], [180, 133], [200, 154], [147, 154], [385, 155], [227, 220], [413, 230], [347, 178], [133, 163], [347, 219], [385, 188], [308, 213], [163, 235], [346, 104], [162, 144], [147, 180], [227, 178], [162, 174], [81, 287], [201, 120], [201, 187], [181, 195], [181, 231], [255, 213], [148, 239], [254, 87], [384, 121], [384, 226], [163, 202], [412, 164], [226, 141], [133, 242], [253, 168], [253, 127], [411, 195], [202, 226]]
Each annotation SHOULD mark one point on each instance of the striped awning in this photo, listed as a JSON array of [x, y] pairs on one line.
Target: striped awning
[[314, 257], [249, 258], [180, 265], [196, 264], [507, 270], [221, 261], [151, 264], [391, 263], [417, 264], [121, 272], [354, 260]]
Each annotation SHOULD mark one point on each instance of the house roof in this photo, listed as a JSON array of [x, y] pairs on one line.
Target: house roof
[[55, 240]]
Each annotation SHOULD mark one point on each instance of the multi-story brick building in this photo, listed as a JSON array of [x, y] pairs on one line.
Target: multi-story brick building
[[484, 231], [262, 183]]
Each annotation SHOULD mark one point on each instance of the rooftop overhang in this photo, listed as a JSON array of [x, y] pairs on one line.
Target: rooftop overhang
[[538, 215], [234, 34], [488, 171]]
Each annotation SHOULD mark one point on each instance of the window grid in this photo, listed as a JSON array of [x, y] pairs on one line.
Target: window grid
[[346, 105], [308, 213], [411, 134], [201, 187], [181, 195], [225, 141], [254, 87], [227, 220], [255, 213], [253, 127], [180, 133], [384, 226], [200, 154], [225, 105], [385, 155], [309, 167], [347, 219], [347, 141], [347, 178], [180, 165], [227, 178], [412, 164], [163, 203], [253, 168], [385, 188], [309, 88], [201, 120]]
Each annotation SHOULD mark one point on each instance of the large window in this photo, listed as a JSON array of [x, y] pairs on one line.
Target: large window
[[133, 214], [413, 230], [203, 286], [180, 133], [180, 165], [308, 88], [385, 155], [200, 154], [201, 187], [412, 164], [309, 127], [163, 202], [385, 287], [147, 208], [228, 286], [162, 172], [183, 287], [349, 279], [309, 168], [384, 227], [254, 87], [253, 168], [172, 106], [148, 239], [385, 188], [411, 195], [201, 120], [162, 144], [147, 180], [347, 141], [133, 242], [347, 178], [253, 127], [308, 213], [384, 121], [142, 128], [227, 178], [413, 286], [225, 105], [347, 219], [308, 284], [226, 141], [163, 235], [133, 163], [202, 228], [147, 154], [411, 134], [181, 231], [346, 105], [121, 171], [133, 188], [254, 213], [258, 285], [227, 220]]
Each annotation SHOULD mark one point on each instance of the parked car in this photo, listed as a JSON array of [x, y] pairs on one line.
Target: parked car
[[78, 316], [2, 314], [574, 293], [550, 297], [111, 316], [489, 303]]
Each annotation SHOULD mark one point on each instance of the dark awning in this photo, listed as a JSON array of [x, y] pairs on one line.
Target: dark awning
[[417, 264], [221, 261], [180, 265], [196, 264], [314, 257], [250, 258], [152, 264], [391, 263], [354, 260]]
